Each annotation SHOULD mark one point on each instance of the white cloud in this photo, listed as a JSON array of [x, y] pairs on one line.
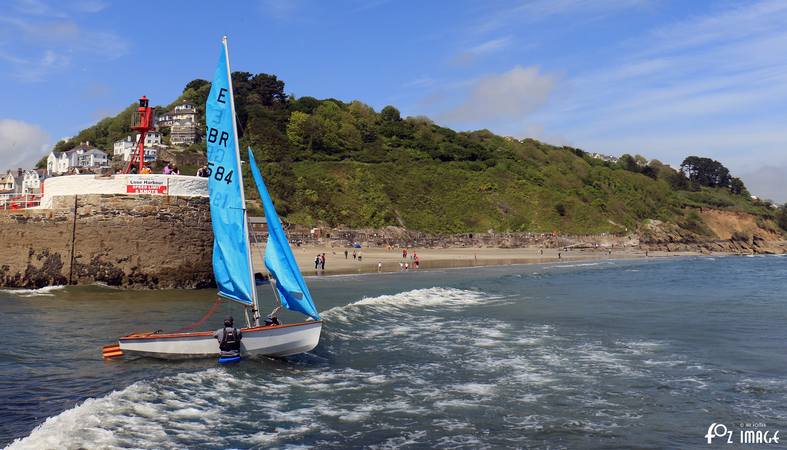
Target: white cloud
[[529, 11], [36, 69], [510, 96], [42, 7], [279, 9], [732, 24], [55, 38], [33, 7], [484, 48], [420, 82], [22, 144], [90, 6]]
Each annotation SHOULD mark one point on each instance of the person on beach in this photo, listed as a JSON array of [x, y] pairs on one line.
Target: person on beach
[[345, 253], [229, 339], [379, 266], [317, 261], [417, 263], [360, 256], [406, 267], [401, 266], [355, 255], [322, 262]]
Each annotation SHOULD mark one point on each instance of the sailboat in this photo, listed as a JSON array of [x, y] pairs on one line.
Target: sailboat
[[232, 257]]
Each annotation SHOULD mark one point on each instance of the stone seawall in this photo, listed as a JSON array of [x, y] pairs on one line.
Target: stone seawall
[[120, 240]]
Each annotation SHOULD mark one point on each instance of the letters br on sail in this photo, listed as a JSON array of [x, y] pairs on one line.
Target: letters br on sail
[[290, 285], [231, 261]]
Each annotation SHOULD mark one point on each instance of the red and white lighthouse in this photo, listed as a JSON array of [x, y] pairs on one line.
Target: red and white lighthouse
[[142, 122]]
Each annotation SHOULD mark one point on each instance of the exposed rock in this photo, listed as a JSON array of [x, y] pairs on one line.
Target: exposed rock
[[729, 232]]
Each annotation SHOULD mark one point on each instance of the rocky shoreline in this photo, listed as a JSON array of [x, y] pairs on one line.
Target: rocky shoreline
[[161, 242]]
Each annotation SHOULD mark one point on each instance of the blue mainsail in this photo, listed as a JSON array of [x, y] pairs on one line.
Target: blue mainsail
[[231, 253], [279, 260]]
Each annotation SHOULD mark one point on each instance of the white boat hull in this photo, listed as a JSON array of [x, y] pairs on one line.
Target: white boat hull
[[276, 341]]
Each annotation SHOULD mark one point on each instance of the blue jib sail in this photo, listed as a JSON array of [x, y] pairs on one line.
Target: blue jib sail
[[231, 263], [279, 260]]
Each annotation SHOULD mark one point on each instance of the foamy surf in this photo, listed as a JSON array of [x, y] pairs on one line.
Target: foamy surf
[[417, 300], [47, 291], [568, 266], [131, 417]]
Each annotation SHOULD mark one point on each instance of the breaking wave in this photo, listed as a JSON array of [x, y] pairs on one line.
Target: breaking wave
[[47, 291], [417, 300]]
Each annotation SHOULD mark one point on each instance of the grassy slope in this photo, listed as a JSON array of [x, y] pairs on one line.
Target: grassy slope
[[362, 168]]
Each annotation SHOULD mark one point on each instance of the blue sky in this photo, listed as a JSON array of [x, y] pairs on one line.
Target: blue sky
[[665, 79]]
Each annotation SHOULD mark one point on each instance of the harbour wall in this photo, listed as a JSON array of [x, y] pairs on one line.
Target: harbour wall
[[90, 230]]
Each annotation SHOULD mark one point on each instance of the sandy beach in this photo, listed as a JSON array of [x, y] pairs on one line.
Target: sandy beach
[[433, 258]]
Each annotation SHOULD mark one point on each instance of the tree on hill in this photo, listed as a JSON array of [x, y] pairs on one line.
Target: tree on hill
[[738, 188], [196, 85], [390, 114], [781, 218], [706, 172]]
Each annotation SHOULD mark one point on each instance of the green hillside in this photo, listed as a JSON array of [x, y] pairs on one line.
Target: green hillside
[[335, 163]]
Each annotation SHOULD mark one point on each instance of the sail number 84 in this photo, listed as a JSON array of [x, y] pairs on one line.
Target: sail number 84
[[219, 173]]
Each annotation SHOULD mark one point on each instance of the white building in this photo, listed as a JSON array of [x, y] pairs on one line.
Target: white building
[[91, 158], [604, 157], [57, 163], [7, 183], [123, 149], [27, 182], [183, 133], [81, 157], [184, 113], [182, 121]]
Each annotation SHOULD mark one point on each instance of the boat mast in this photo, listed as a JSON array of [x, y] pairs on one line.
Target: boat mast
[[254, 306]]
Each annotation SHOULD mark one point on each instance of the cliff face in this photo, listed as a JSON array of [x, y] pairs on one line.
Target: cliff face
[[127, 241], [717, 231]]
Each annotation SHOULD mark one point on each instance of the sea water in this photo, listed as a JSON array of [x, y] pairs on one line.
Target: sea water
[[605, 354]]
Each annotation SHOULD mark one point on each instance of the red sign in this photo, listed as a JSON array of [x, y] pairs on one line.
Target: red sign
[[146, 186]]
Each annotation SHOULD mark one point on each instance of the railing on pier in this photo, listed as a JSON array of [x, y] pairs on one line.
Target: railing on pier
[[19, 201]]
